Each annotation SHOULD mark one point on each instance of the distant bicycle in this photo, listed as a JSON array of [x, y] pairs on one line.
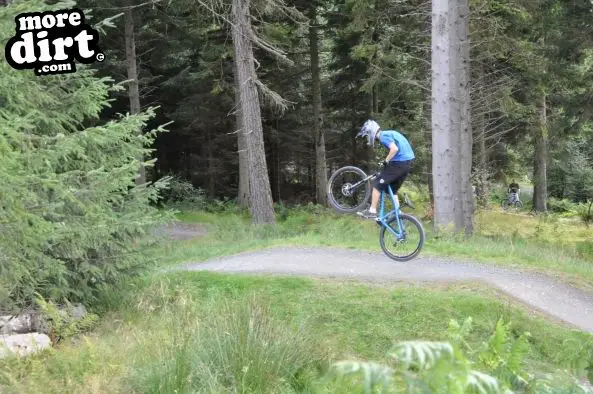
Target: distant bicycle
[[512, 201], [353, 193]]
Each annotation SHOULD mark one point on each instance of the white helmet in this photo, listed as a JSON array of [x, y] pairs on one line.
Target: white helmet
[[369, 129]]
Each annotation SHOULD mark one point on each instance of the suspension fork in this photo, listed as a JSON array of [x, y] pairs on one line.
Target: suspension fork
[[383, 220]]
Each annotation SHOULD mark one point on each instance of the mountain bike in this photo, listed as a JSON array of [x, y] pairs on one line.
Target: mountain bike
[[511, 201], [405, 228]]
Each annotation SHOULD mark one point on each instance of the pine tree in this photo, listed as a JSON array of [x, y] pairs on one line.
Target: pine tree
[[73, 220]]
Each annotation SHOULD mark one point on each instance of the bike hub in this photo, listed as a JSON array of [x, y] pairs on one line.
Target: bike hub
[[346, 190]]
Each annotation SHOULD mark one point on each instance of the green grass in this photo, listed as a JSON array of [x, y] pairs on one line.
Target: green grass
[[200, 332], [206, 332], [543, 244]]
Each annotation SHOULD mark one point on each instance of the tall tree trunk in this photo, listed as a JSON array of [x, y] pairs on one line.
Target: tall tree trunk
[[318, 133], [479, 131], [455, 117], [133, 92], [243, 193], [445, 113], [483, 168], [540, 192], [260, 195], [465, 126], [278, 169]]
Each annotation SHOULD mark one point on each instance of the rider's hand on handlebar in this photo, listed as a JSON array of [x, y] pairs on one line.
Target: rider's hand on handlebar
[[383, 164]]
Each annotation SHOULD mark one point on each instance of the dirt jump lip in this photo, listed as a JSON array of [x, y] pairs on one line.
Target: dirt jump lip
[[539, 292]]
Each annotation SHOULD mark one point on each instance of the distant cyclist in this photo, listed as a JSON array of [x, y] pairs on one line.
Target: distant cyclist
[[396, 166], [513, 191]]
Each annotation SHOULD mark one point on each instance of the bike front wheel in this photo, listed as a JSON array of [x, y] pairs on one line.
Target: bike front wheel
[[409, 241], [348, 190]]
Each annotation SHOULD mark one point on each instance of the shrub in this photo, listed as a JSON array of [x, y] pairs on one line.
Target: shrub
[[62, 323], [72, 218], [585, 212], [182, 193], [563, 206]]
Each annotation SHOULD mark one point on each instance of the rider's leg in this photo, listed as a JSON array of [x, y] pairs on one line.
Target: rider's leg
[[396, 185], [378, 184], [375, 200], [393, 174]]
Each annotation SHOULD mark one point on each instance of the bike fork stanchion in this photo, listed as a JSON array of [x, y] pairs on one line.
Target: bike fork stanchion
[[380, 219], [396, 212]]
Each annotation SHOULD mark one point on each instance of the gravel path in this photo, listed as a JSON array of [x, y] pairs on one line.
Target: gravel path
[[540, 292]]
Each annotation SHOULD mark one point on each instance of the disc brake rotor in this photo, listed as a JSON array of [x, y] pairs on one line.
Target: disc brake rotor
[[346, 190]]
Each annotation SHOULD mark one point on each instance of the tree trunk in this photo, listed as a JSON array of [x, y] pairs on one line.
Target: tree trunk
[[243, 193], [260, 196], [318, 133], [278, 168], [479, 131], [540, 192], [133, 92], [428, 171], [445, 114], [483, 169], [465, 126], [455, 117]]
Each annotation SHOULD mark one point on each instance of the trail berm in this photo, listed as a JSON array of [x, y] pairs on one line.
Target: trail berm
[[538, 291]]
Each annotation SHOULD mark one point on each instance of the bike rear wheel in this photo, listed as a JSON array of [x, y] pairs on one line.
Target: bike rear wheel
[[341, 194], [413, 235]]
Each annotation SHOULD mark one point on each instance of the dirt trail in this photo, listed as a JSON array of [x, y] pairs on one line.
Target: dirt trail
[[540, 292]]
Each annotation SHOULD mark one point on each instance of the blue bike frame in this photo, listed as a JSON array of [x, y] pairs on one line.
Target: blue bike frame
[[383, 217]]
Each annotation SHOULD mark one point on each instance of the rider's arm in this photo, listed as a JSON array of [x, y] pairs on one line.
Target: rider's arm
[[392, 151]]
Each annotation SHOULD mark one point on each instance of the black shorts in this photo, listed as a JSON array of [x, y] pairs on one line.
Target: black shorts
[[394, 174]]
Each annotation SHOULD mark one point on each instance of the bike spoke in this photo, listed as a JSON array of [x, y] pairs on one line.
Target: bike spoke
[[406, 240], [348, 189]]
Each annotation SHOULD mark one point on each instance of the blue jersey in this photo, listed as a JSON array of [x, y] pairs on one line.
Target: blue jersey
[[404, 150]]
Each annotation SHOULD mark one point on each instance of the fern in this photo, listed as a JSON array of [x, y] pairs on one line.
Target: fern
[[420, 355], [61, 323], [517, 353], [457, 333], [493, 351], [373, 374], [454, 368]]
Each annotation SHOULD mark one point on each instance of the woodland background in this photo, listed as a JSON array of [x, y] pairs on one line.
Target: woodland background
[[530, 89]]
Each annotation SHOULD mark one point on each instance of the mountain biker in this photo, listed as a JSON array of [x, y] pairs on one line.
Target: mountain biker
[[396, 166], [513, 190]]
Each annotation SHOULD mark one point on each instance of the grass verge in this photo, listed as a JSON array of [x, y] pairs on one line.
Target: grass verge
[[212, 333]]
